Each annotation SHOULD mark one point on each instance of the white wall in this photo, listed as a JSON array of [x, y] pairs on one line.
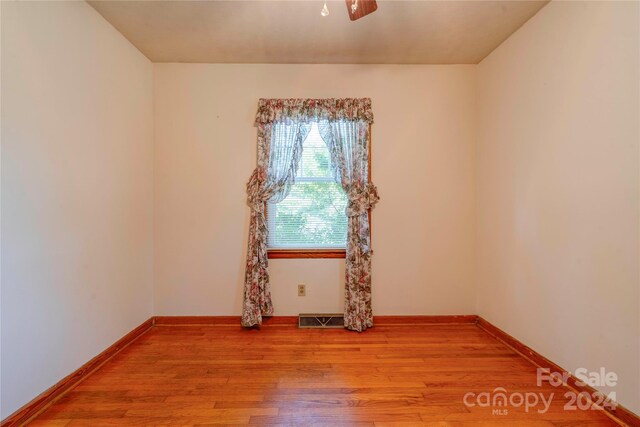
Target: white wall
[[77, 190], [558, 203], [423, 165]]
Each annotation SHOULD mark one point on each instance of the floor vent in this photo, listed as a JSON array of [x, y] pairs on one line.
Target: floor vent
[[321, 321]]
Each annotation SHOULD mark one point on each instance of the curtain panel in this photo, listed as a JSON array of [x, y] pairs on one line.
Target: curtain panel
[[283, 125], [271, 181], [348, 143]]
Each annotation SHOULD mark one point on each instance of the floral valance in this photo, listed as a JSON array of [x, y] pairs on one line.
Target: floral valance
[[303, 110]]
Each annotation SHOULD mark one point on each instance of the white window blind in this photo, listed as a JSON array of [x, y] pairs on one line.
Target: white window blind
[[313, 215]]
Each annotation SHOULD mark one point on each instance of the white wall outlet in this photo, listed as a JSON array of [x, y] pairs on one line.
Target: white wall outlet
[[302, 290]]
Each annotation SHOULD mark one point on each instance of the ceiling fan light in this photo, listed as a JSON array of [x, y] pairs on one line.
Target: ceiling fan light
[[325, 10]]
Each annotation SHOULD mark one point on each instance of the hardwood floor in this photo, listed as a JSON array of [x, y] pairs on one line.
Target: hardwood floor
[[281, 375]]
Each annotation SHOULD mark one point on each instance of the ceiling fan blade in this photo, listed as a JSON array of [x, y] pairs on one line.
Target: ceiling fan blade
[[364, 8]]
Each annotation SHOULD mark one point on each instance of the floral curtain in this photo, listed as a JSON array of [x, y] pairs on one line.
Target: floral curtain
[[283, 125], [306, 110], [348, 143], [279, 151]]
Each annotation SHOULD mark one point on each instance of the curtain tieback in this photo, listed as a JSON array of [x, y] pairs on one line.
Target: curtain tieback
[[361, 199], [255, 188]]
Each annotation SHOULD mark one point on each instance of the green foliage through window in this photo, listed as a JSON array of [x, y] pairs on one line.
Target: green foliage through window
[[313, 214]]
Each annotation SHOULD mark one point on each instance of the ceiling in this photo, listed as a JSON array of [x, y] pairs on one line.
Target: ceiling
[[239, 31]]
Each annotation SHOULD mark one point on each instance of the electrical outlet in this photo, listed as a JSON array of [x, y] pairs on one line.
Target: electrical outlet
[[302, 290]]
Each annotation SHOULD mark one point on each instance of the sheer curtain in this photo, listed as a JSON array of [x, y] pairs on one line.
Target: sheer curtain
[[279, 151], [348, 143]]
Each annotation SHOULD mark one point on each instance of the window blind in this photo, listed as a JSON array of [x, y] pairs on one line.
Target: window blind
[[313, 215]]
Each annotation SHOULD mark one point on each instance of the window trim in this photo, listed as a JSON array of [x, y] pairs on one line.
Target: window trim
[[306, 253], [319, 253]]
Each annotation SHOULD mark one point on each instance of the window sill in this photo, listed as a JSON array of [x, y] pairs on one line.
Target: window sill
[[306, 253]]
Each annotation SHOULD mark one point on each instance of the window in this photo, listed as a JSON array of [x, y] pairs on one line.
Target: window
[[311, 220]]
